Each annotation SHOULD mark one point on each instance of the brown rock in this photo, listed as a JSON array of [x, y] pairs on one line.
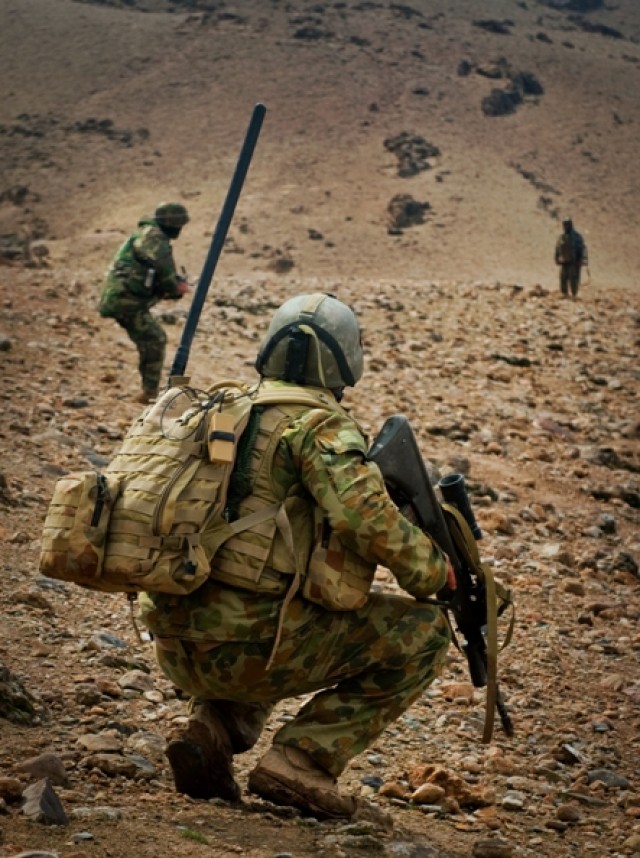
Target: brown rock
[[428, 794], [393, 789], [492, 848], [11, 789], [48, 766], [568, 813], [453, 785]]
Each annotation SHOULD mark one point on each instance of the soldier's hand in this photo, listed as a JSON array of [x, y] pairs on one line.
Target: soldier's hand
[[182, 287], [452, 582]]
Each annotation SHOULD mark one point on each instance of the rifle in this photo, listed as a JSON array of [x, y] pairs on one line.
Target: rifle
[[176, 375], [454, 530]]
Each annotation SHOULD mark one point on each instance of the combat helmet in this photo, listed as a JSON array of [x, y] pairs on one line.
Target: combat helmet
[[172, 215], [314, 340]]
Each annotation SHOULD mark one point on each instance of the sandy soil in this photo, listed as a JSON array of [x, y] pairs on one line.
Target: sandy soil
[[108, 107]]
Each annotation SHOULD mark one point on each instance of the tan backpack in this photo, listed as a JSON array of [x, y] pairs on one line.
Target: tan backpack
[[138, 526]]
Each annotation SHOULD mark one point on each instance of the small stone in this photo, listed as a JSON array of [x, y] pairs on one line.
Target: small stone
[[492, 848], [513, 800], [608, 778], [459, 691], [42, 804], [87, 695], [83, 837], [633, 844], [568, 813], [11, 789], [607, 523], [556, 825], [136, 680], [48, 766], [428, 794], [100, 743], [393, 789]]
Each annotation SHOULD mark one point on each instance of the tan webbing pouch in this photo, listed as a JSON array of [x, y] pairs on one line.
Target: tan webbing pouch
[[76, 526]]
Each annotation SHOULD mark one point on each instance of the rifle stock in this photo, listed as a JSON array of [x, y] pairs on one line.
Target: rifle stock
[[395, 451]]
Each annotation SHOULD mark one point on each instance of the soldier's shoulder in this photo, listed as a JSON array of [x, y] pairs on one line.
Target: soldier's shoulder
[[151, 241], [334, 431]]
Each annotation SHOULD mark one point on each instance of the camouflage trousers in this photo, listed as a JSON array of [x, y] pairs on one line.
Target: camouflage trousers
[[366, 668], [569, 278], [151, 342]]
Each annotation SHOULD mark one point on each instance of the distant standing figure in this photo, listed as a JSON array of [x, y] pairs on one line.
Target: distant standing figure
[[142, 273], [571, 255]]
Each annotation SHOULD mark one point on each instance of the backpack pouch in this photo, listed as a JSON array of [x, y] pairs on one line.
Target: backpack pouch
[[75, 528]]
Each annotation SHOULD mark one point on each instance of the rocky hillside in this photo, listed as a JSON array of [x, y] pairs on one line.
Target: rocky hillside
[[415, 161], [494, 123]]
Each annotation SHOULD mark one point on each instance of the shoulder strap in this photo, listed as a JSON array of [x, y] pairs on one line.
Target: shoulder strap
[[295, 395]]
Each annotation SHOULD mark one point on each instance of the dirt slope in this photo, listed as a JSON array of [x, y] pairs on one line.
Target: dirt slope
[[338, 80], [108, 107]]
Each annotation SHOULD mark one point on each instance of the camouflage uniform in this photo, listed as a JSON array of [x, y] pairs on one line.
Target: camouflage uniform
[[142, 273], [367, 665], [570, 255]]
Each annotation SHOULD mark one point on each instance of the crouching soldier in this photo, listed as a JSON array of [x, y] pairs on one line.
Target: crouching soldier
[[288, 609]]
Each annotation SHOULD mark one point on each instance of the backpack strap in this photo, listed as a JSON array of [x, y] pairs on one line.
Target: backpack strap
[[296, 395]]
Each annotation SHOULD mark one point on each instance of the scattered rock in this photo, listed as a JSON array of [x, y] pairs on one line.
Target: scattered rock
[[46, 766], [17, 704], [610, 779], [41, 804], [492, 848]]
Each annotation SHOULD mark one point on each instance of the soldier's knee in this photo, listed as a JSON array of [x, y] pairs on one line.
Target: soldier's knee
[[436, 631]]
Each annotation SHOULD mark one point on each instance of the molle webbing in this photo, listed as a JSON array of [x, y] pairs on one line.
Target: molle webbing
[[242, 559], [240, 482]]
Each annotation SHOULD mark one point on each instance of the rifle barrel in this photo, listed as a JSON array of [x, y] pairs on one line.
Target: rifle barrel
[[217, 241]]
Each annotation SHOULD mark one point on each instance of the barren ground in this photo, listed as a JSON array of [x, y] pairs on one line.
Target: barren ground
[[108, 107]]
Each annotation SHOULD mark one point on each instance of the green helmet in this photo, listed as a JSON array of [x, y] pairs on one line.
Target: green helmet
[[171, 215], [313, 339]]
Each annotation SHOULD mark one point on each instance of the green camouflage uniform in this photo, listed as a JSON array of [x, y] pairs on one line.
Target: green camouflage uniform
[[367, 665], [142, 273]]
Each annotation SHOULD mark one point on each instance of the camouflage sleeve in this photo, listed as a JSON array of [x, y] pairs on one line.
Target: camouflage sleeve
[[329, 453], [153, 248]]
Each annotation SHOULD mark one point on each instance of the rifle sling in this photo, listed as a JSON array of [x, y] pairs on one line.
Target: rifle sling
[[466, 542]]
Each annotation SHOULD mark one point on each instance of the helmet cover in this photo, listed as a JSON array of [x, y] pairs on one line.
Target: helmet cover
[[313, 340]]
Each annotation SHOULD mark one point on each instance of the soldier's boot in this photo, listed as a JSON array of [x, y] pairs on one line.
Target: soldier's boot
[[288, 776], [244, 722], [201, 757], [147, 395]]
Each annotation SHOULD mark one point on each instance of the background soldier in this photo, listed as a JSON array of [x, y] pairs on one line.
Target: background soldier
[[571, 255], [142, 273], [288, 608]]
